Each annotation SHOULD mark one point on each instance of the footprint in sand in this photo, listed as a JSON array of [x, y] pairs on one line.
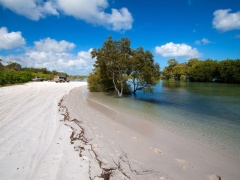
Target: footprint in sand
[[112, 142], [184, 164], [57, 156], [117, 153], [214, 177], [137, 162], [162, 178], [156, 150], [98, 136], [118, 131], [134, 138]]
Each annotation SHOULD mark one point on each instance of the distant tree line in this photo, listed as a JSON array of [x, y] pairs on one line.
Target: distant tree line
[[77, 77], [13, 73], [226, 71]]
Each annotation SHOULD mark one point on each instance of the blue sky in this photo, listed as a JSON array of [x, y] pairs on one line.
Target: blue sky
[[59, 34]]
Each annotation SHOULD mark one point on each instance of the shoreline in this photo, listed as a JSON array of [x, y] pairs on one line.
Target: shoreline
[[204, 138], [144, 146], [53, 131]]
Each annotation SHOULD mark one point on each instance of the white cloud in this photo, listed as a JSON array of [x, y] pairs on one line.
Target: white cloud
[[54, 55], [85, 54], [32, 9], [50, 8], [10, 40], [92, 12], [205, 41], [202, 41], [51, 45], [119, 20], [225, 21], [177, 50], [63, 61]]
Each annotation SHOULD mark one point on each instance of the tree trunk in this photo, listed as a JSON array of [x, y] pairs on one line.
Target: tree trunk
[[115, 86]]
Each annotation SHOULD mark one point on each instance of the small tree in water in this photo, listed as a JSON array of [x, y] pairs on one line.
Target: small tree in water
[[116, 63]]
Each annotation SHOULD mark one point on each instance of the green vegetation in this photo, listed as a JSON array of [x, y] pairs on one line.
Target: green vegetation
[[116, 64], [77, 77], [13, 77], [13, 73], [227, 71]]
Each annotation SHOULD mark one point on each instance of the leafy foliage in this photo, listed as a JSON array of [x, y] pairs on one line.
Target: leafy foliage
[[116, 63], [204, 71], [112, 58], [13, 73], [94, 82], [1, 65], [227, 71], [144, 73], [13, 77], [13, 66], [77, 77]]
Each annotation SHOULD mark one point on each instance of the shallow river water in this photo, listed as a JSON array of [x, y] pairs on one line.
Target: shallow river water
[[208, 113]]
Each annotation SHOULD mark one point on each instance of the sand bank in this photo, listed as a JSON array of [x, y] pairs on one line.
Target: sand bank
[[120, 146], [53, 131]]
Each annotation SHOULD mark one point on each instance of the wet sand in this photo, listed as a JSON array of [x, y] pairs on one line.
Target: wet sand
[[127, 147]]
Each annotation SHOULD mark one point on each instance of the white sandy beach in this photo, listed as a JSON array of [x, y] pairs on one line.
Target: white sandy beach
[[91, 141], [34, 144]]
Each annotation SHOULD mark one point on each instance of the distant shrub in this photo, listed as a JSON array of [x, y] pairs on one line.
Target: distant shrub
[[13, 77], [93, 82]]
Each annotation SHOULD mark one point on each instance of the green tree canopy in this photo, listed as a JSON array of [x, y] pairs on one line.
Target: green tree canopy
[[113, 57], [204, 70], [168, 71], [144, 72], [1, 65], [116, 63], [13, 73], [13, 66], [227, 71]]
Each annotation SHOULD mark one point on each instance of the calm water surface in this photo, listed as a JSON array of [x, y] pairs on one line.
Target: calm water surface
[[208, 113]]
